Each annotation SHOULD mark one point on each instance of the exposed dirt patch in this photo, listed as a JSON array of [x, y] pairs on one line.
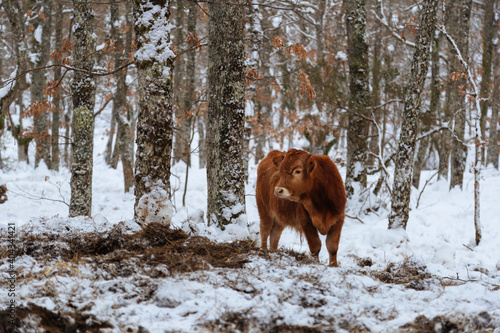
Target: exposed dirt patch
[[156, 245], [240, 322], [42, 318], [441, 324]]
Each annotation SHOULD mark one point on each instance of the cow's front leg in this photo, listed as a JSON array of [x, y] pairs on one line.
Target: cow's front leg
[[332, 240]]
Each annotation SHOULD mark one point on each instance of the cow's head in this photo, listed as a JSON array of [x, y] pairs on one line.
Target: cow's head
[[295, 168]]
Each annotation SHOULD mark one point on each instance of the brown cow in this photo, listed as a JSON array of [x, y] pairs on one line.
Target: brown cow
[[302, 191]]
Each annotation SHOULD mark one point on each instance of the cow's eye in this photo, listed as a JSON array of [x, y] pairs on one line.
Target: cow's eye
[[298, 172]]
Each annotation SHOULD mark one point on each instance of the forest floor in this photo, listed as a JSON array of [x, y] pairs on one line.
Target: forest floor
[[159, 279], [106, 274]]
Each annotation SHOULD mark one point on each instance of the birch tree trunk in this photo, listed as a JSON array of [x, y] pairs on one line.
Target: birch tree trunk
[[357, 133], [154, 60], [457, 24], [406, 149], [83, 95], [226, 113]]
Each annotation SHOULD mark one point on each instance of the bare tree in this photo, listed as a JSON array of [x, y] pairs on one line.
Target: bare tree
[[226, 112], [457, 18], [55, 156], [120, 112], [41, 51], [15, 13], [493, 145], [83, 95], [489, 30], [406, 148]]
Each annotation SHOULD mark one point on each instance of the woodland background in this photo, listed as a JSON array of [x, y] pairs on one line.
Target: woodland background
[[178, 101], [298, 90]]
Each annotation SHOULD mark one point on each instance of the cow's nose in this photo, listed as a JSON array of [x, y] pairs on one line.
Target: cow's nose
[[278, 190], [281, 192]]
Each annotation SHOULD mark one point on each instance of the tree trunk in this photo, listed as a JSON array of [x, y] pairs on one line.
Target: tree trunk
[[428, 119], [41, 47], [376, 78], [189, 95], [15, 14], [179, 82], [154, 122], [488, 45], [83, 93], [263, 93], [54, 164], [406, 149], [457, 24], [226, 113], [124, 135], [494, 141], [357, 135]]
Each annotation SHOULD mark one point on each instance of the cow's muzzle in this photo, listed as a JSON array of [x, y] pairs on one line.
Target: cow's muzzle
[[281, 192]]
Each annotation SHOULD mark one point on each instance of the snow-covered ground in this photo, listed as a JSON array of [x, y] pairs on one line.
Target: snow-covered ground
[[383, 283]]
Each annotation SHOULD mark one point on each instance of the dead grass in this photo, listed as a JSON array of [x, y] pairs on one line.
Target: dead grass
[[409, 273], [155, 245]]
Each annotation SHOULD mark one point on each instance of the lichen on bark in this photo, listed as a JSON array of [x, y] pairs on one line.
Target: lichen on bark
[[401, 189], [83, 95], [154, 122], [226, 114]]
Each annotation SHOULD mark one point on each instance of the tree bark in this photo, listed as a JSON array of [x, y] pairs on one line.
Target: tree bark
[[489, 30], [226, 113], [357, 133], [154, 60], [179, 84], [263, 92], [428, 118], [83, 95], [189, 94], [41, 47], [15, 14], [457, 24], [124, 138], [494, 141], [376, 79], [55, 157], [406, 148]]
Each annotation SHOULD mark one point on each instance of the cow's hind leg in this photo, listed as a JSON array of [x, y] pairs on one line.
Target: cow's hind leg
[[276, 232], [332, 241], [312, 238], [266, 225]]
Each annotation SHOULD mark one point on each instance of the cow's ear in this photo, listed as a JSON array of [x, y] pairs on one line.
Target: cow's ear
[[277, 160], [310, 164]]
